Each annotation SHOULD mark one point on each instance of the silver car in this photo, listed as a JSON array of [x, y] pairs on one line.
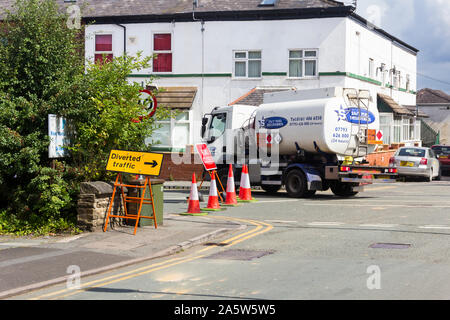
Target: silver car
[[416, 162]]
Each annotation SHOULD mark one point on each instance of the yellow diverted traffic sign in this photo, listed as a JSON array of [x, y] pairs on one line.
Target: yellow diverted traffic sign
[[144, 163]]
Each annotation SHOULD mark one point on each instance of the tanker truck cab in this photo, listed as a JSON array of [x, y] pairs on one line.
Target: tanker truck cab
[[220, 129], [304, 140]]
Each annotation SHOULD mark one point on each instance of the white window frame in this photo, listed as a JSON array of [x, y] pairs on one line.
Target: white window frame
[[162, 51], [95, 43], [397, 124], [246, 60], [405, 129], [303, 59], [388, 128], [172, 122]]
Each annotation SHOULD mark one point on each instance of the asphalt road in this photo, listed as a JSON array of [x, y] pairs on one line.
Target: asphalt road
[[389, 242]]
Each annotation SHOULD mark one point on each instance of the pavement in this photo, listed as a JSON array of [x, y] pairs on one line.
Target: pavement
[[31, 263]]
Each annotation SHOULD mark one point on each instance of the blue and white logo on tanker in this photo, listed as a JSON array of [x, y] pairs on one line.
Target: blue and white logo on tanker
[[272, 122], [355, 115]]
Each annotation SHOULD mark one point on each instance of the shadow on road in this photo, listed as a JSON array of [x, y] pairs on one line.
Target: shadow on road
[[115, 290]]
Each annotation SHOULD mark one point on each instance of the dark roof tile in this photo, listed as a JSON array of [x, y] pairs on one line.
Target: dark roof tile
[[432, 96], [255, 97], [110, 8]]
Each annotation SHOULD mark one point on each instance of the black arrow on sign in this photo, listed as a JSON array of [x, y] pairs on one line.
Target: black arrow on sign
[[153, 164]]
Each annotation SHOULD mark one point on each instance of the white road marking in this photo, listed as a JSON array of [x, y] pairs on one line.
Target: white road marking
[[434, 227], [326, 224], [378, 225], [280, 221]]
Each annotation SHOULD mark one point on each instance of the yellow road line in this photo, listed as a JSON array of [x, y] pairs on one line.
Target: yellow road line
[[129, 277], [161, 265], [107, 278]]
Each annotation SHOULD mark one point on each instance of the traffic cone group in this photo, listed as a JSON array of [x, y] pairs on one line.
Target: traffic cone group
[[213, 199], [245, 194], [194, 203], [245, 191]]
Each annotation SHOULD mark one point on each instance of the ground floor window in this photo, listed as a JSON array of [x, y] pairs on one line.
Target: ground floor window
[[386, 121], [398, 129], [173, 133]]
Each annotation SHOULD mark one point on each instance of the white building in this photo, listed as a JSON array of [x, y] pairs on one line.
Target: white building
[[212, 53]]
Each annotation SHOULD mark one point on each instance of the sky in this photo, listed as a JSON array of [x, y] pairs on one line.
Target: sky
[[423, 24]]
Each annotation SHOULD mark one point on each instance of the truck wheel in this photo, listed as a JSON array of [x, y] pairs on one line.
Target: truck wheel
[[310, 193], [296, 185], [343, 190], [271, 188]]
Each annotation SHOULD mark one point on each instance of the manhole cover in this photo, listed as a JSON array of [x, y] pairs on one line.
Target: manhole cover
[[390, 246], [239, 254]]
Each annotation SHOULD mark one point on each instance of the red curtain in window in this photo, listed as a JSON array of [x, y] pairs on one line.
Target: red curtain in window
[[103, 42], [99, 58], [162, 42], [162, 63]]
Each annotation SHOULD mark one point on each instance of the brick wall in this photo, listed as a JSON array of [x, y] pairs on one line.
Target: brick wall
[[380, 158], [179, 167]]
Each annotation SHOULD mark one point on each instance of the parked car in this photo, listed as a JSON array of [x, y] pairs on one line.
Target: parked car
[[416, 162], [443, 154]]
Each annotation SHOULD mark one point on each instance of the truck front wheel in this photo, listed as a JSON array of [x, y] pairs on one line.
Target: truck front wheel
[[271, 188], [343, 189], [296, 184]]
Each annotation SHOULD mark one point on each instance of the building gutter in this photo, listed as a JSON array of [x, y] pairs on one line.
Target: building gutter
[[232, 15]]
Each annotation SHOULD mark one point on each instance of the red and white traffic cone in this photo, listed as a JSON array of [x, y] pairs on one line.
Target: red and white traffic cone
[[213, 199], [245, 192], [194, 203], [231, 192]]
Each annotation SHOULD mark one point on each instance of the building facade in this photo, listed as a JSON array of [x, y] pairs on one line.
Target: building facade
[[436, 105], [211, 53]]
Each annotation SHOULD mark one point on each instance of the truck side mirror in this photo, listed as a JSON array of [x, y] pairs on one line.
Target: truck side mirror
[[203, 131], [204, 123]]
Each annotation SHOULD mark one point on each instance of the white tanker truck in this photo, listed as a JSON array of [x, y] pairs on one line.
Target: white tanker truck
[[305, 140]]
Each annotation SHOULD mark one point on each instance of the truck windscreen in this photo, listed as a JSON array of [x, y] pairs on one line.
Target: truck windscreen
[[218, 125]]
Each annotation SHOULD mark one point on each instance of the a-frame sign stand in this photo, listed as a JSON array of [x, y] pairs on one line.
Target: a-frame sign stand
[[126, 199], [141, 163], [211, 174]]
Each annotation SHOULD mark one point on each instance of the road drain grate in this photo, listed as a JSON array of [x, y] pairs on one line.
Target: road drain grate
[[390, 246], [239, 254]]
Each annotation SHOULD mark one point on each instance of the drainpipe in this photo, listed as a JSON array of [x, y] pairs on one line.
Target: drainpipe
[[124, 38], [194, 5]]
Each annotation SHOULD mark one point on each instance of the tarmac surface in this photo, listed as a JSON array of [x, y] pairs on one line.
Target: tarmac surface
[[30, 263]]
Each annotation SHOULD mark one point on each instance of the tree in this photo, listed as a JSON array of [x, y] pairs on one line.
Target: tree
[[103, 118], [42, 71]]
